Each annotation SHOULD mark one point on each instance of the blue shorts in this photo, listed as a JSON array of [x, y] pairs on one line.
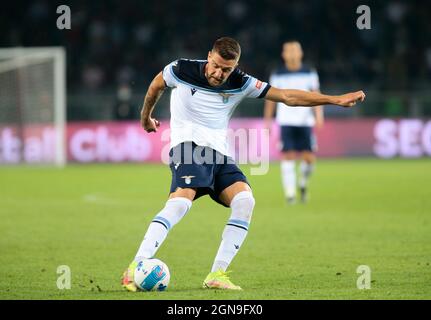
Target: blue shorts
[[297, 139], [204, 169]]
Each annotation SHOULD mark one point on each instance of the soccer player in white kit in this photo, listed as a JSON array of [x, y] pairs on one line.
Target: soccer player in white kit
[[204, 94], [296, 124]]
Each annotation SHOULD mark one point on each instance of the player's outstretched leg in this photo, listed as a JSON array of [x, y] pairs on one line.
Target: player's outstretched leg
[[174, 210], [233, 237]]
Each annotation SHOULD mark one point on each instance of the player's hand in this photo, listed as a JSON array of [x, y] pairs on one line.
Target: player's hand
[[349, 99], [150, 124]]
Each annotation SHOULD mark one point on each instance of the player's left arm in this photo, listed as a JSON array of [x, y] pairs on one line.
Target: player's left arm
[[293, 97]]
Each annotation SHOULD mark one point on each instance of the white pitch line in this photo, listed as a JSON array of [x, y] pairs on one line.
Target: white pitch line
[[98, 198]]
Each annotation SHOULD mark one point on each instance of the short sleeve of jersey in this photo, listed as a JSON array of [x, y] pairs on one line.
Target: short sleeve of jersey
[[314, 81], [256, 88], [168, 74]]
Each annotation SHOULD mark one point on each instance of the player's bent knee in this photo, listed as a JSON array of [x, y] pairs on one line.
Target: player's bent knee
[[242, 206], [188, 193], [174, 210], [179, 204]]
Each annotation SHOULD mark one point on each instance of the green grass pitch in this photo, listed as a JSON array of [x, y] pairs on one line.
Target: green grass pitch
[[92, 218]]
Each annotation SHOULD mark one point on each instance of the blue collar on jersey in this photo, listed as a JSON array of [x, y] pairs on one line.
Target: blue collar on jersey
[[192, 72]]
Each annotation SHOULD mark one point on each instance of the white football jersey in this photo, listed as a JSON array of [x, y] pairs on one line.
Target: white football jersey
[[303, 79], [200, 112]]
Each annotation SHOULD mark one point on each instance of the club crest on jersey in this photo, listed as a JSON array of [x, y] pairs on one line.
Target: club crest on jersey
[[225, 97], [187, 179]]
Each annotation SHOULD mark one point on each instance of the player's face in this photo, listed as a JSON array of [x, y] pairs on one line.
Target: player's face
[[217, 70], [292, 52]]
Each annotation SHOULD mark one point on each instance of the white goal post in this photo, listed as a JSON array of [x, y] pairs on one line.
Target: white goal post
[[33, 105]]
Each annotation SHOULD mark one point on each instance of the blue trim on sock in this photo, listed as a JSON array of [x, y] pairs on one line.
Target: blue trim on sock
[[239, 222], [235, 225], [163, 221]]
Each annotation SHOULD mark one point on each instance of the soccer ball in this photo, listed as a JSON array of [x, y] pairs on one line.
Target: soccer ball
[[152, 275]]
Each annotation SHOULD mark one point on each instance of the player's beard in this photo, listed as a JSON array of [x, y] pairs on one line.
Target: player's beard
[[211, 79], [217, 82]]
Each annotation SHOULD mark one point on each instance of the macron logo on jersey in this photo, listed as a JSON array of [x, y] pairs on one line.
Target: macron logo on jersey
[[193, 90]]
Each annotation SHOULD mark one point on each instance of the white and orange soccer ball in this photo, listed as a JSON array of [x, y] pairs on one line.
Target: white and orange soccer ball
[[152, 275]]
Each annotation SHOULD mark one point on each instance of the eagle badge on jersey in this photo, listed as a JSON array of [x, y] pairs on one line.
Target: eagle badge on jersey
[[225, 97], [187, 179]]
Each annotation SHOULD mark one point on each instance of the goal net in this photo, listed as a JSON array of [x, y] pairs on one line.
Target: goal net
[[32, 106]]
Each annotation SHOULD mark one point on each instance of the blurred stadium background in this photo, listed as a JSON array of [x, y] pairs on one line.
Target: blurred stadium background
[[114, 49], [362, 211]]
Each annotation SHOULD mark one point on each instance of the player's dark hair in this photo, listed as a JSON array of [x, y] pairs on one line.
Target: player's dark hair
[[227, 48]]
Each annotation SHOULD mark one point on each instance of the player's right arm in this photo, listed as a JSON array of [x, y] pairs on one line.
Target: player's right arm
[[154, 92], [292, 97]]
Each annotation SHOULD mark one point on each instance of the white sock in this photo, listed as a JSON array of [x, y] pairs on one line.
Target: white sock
[[288, 175], [235, 231], [174, 210], [306, 170]]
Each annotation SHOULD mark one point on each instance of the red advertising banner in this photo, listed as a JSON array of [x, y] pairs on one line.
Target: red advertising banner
[[127, 142]]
